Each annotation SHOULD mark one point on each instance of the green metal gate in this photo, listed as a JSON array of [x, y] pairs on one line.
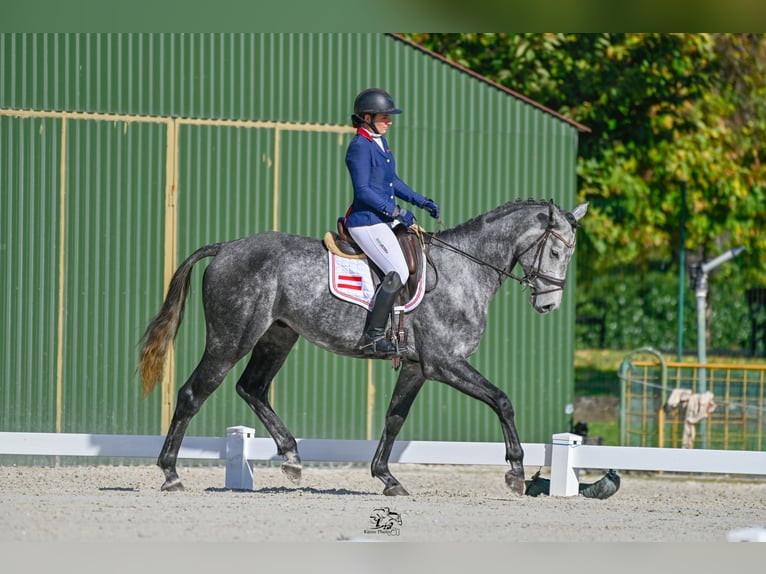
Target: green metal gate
[[647, 418]]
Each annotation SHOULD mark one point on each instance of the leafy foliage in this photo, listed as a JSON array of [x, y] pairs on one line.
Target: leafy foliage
[[642, 309], [662, 109]]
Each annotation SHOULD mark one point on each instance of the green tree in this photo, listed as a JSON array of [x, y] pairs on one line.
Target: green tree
[[662, 108]]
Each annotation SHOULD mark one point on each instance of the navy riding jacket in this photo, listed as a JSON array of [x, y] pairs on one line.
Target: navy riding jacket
[[373, 175]]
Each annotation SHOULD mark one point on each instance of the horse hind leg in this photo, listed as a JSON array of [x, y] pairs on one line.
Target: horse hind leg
[[267, 358], [205, 379]]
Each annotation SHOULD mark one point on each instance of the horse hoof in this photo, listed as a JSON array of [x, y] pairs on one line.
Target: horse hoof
[[515, 483], [396, 490], [174, 485], [292, 471]]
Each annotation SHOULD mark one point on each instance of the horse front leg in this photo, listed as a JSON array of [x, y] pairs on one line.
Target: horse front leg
[[408, 385], [460, 375]]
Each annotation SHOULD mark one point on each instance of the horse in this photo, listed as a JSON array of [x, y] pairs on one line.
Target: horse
[[262, 292]]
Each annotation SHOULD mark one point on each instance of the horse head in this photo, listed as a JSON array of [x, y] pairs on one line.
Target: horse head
[[546, 258]]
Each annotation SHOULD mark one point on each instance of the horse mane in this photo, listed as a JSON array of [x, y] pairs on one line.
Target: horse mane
[[501, 211], [515, 205]]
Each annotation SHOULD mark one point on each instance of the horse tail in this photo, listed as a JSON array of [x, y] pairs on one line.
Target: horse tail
[[162, 330]]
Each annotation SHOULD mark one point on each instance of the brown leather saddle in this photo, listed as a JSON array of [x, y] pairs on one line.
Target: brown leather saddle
[[411, 242]]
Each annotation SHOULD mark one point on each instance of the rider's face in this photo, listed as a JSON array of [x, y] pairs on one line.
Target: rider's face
[[381, 122]]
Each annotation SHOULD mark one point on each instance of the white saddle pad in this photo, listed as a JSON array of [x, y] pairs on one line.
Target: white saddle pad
[[351, 280]]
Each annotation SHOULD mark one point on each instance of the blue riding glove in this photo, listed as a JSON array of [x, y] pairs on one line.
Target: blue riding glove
[[406, 217], [432, 208]]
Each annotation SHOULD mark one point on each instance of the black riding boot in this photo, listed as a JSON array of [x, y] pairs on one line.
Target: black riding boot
[[374, 341]]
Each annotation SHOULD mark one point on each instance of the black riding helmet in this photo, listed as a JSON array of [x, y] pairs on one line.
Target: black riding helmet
[[372, 101]]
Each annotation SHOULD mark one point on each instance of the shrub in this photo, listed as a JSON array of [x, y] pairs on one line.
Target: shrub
[[638, 309]]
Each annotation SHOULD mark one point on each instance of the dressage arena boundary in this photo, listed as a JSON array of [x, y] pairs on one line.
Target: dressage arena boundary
[[565, 455]]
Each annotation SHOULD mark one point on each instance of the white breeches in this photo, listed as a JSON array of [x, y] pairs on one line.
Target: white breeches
[[380, 244]]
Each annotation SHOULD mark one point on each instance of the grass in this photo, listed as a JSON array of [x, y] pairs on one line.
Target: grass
[[609, 431], [596, 375], [596, 372]]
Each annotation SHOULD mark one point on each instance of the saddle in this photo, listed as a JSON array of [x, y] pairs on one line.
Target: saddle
[[411, 242]]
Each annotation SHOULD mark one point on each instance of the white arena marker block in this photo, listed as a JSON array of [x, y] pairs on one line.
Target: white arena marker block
[[239, 470], [565, 479]]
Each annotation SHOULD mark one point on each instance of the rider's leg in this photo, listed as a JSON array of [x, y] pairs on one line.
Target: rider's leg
[[374, 341], [381, 245]]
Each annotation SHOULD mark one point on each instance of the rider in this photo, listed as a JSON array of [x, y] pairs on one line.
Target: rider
[[374, 211]]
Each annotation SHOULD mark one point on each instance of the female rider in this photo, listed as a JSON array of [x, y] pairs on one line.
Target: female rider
[[374, 211]]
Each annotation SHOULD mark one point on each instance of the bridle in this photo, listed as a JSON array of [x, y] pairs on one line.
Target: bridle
[[557, 284]]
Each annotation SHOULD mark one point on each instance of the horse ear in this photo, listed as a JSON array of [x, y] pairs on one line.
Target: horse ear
[[580, 211]]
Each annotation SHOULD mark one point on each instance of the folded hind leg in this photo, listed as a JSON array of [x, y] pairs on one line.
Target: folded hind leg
[[267, 358]]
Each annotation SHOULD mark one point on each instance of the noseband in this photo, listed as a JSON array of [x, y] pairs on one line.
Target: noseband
[[536, 273]]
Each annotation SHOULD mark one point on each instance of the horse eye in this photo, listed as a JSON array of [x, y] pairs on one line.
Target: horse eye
[[555, 253]]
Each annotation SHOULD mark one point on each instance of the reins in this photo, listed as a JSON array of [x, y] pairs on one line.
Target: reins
[[526, 281], [432, 236]]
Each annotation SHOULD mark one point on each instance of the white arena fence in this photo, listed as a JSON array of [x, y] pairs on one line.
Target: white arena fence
[[240, 448]]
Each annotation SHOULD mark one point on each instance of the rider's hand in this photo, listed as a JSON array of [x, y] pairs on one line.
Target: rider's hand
[[432, 208], [406, 217]]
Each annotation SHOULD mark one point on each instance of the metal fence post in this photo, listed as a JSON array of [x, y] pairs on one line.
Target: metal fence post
[[239, 470]]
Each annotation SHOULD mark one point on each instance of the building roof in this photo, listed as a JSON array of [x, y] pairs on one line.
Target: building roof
[[481, 78]]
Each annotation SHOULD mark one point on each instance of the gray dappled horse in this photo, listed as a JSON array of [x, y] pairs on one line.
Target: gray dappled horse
[[262, 292]]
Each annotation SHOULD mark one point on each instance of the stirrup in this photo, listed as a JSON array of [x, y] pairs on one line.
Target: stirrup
[[372, 347]]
